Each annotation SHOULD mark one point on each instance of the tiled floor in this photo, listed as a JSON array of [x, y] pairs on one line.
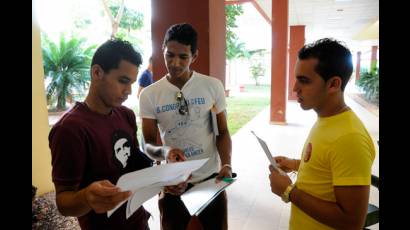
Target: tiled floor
[[251, 205]]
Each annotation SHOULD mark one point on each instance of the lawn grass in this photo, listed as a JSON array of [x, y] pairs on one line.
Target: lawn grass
[[242, 108]]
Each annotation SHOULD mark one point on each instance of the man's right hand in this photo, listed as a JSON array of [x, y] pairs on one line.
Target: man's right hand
[[175, 155], [286, 164], [176, 190], [103, 196]]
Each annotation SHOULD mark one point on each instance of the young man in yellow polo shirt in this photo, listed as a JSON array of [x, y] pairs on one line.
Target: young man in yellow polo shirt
[[333, 183]]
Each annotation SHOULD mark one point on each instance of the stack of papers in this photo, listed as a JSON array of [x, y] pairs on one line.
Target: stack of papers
[[201, 195], [146, 183]]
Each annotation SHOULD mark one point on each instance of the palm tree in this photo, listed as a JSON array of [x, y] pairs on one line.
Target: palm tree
[[66, 65]]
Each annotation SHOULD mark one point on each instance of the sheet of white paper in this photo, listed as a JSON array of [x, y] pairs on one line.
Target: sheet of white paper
[[157, 176], [144, 194], [268, 154], [139, 197], [201, 194]]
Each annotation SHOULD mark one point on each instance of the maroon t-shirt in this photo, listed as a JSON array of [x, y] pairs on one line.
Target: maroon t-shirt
[[87, 146]]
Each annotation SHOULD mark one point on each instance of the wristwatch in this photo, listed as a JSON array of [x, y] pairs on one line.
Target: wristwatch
[[286, 193]]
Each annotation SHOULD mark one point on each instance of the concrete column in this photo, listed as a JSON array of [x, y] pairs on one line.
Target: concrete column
[[40, 152], [297, 41], [373, 61], [359, 54], [279, 61], [207, 17], [217, 40]]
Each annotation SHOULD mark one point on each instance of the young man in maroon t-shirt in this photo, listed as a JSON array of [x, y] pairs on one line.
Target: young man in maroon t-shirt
[[94, 143]]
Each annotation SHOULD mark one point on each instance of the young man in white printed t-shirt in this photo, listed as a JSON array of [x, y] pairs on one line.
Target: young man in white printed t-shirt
[[179, 105]]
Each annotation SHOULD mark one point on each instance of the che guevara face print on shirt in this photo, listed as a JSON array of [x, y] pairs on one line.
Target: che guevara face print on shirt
[[121, 147]]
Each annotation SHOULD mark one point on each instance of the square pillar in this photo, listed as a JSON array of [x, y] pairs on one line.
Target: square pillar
[[279, 71], [297, 41], [208, 19], [359, 54], [373, 61]]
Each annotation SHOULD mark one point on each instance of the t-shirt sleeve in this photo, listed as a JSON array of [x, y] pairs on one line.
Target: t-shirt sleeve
[[146, 106], [68, 155], [220, 101], [351, 160]]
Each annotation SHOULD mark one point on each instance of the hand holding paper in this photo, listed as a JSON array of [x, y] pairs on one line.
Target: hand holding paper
[[225, 172], [147, 182], [103, 195], [176, 190], [286, 164], [175, 155]]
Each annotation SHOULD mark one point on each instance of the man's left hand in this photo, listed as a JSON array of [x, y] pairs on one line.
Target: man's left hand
[[278, 182], [225, 172]]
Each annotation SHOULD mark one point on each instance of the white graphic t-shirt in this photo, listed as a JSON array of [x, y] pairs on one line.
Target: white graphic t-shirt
[[190, 132]]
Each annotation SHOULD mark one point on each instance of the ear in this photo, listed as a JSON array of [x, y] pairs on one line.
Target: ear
[[194, 56], [96, 72], [334, 84]]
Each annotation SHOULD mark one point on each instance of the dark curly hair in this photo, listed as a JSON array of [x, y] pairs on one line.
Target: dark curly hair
[[183, 33], [334, 59]]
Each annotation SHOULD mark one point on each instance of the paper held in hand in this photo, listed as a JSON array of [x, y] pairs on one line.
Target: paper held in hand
[[201, 195], [148, 182], [268, 154]]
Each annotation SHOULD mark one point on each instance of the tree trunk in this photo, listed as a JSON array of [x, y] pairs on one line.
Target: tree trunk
[[115, 22], [61, 100]]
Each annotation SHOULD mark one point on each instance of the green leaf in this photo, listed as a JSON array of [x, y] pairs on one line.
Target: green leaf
[[66, 65], [234, 48], [369, 82]]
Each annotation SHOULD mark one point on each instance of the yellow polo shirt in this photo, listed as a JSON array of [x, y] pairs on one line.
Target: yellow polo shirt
[[338, 152]]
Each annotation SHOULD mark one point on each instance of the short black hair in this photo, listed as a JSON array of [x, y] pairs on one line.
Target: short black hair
[[111, 52], [183, 33], [334, 59]]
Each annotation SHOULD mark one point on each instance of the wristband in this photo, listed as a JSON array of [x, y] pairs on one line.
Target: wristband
[[227, 165], [286, 194]]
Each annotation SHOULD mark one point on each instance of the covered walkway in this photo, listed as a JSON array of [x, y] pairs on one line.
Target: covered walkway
[[251, 205]]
